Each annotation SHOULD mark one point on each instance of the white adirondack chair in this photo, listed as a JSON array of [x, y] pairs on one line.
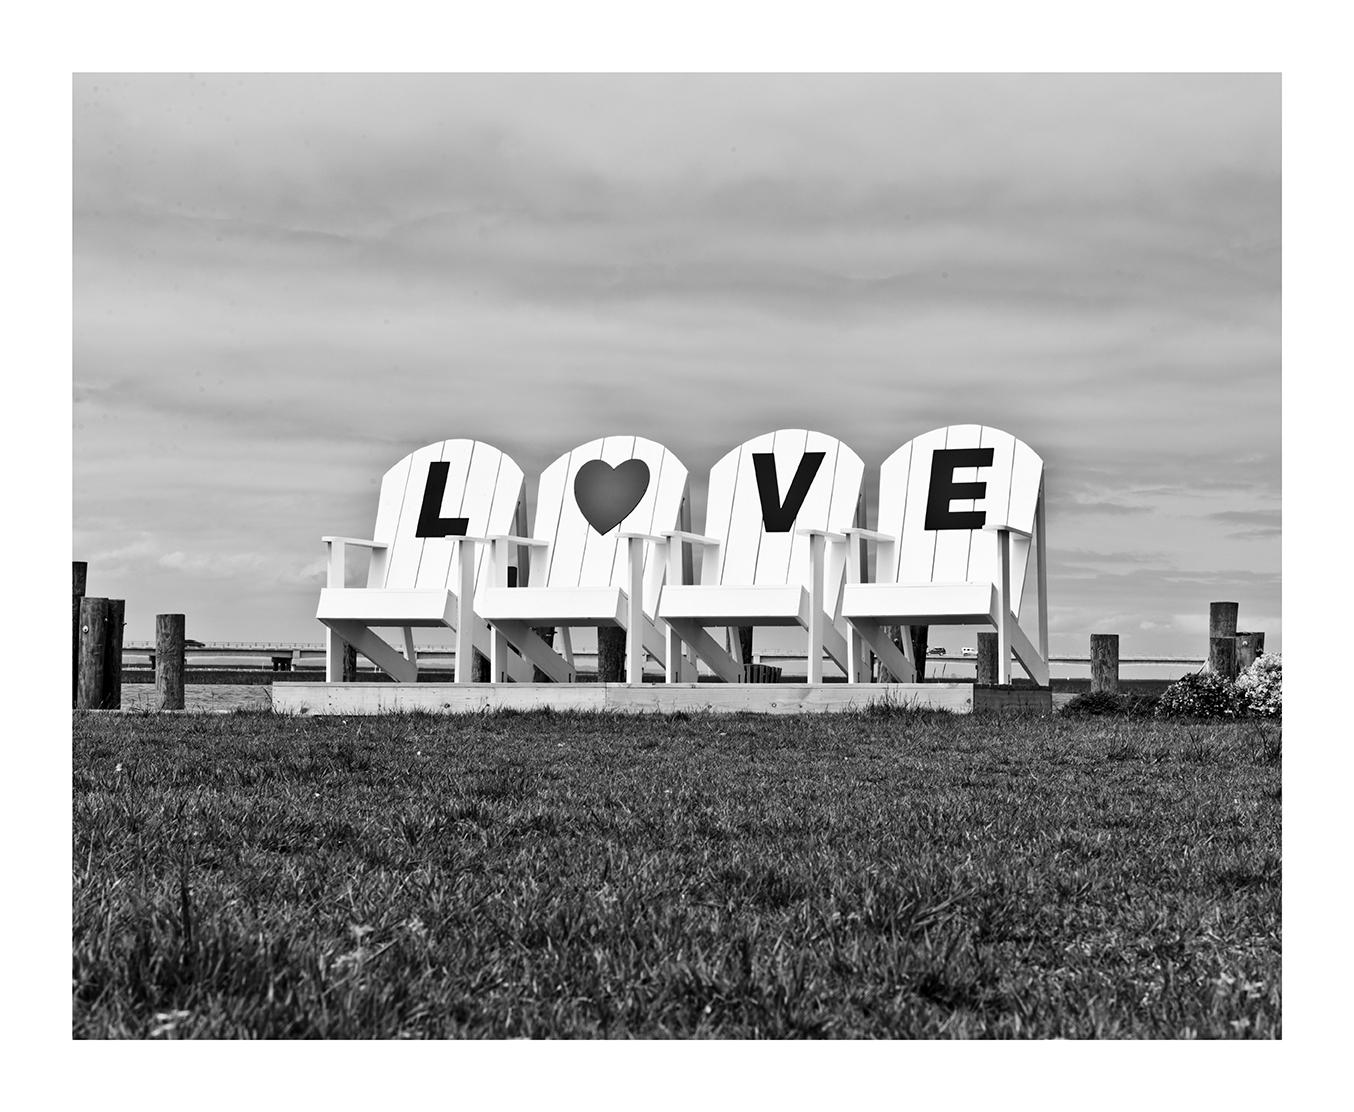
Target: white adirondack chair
[[774, 503], [426, 565], [953, 546], [592, 562]]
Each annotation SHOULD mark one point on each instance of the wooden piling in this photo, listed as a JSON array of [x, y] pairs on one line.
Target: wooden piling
[[920, 636], [1222, 656], [349, 663], [1248, 647], [79, 576], [169, 661], [112, 652], [745, 640], [1222, 619], [987, 658], [90, 691], [1105, 662], [610, 654]]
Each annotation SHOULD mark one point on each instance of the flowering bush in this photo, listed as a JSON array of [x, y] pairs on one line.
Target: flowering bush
[[1261, 686], [1201, 695]]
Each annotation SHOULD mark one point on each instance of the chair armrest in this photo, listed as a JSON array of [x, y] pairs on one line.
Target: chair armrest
[[530, 542], [499, 543], [355, 541], [655, 537], [830, 534], [1008, 529], [336, 573], [871, 536], [683, 537]]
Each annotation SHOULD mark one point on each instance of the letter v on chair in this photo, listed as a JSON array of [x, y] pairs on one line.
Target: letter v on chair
[[775, 505], [428, 562], [959, 509], [592, 561]]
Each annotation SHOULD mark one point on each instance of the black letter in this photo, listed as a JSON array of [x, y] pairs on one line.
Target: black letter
[[430, 521], [943, 488], [776, 517]]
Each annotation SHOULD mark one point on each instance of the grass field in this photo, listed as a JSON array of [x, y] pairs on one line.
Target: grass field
[[883, 875]]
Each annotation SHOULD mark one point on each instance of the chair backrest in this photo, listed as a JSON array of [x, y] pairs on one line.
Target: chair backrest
[[763, 492], [463, 487], [929, 500], [590, 496]]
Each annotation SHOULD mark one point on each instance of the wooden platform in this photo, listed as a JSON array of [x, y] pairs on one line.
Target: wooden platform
[[662, 698]]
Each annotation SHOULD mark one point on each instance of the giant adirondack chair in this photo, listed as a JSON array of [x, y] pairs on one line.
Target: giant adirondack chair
[[427, 564], [592, 562], [959, 510], [773, 505]]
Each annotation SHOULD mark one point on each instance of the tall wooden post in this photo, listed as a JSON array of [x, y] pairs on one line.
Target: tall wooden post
[[1221, 623], [349, 663], [1248, 647], [91, 691], [1105, 663], [610, 654], [987, 658], [745, 639], [79, 576], [1222, 619], [1222, 656], [169, 661], [920, 635], [112, 649]]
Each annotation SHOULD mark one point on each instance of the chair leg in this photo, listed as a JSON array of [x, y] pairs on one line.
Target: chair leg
[[1036, 666], [333, 656], [890, 657], [816, 616], [672, 666], [410, 649], [635, 620], [498, 656], [1004, 608], [653, 643], [834, 644], [375, 649], [707, 649], [530, 645]]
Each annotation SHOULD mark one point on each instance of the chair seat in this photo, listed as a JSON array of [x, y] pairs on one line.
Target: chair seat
[[933, 603], [720, 605], [388, 606], [553, 606]]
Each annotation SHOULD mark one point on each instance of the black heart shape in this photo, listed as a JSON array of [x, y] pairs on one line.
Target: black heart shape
[[607, 494]]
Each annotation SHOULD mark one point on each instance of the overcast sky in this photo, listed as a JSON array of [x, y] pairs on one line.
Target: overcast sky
[[283, 284]]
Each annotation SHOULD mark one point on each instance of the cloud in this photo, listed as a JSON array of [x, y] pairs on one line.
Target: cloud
[[1253, 524], [254, 567], [283, 283], [1114, 508]]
